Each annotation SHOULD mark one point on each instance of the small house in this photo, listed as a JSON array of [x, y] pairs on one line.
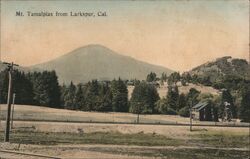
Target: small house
[[202, 111]]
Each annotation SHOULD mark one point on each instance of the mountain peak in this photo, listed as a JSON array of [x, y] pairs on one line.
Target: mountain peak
[[93, 46], [96, 61], [93, 49]]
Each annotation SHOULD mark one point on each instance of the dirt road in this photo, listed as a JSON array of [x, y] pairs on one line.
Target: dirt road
[[105, 151]]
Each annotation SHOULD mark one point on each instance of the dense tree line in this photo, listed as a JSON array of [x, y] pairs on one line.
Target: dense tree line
[[42, 88], [46, 90], [96, 96], [22, 87], [37, 88]]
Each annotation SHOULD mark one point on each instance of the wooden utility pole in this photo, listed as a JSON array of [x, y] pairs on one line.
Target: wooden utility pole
[[138, 112], [12, 112], [138, 118], [7, 127], [191, 116]]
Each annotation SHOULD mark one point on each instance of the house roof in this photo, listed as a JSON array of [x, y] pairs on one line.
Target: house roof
[[200, 106]]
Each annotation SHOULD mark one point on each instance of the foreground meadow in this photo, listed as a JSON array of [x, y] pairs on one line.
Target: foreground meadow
[[62, 133], [200, 143]]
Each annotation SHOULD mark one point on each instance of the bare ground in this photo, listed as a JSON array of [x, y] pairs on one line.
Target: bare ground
[[169, 131], [110, 151], [182, 89]]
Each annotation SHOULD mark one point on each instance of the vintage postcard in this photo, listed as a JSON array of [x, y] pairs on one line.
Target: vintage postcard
[[90, 79]]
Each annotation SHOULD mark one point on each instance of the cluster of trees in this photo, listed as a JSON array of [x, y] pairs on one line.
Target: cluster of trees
[[152, 77], [46, 89], [174, 103], [37, 88], [23, 86], [234, 88], [96, 96], [145, 98]]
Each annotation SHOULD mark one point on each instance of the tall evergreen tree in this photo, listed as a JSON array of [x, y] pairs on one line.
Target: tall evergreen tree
[[91, 96], [104, 98], [53, 90], [79, 100], [69, 97], [119, 96], [144, 98], [182, 102], [4, 81], [173, 97], [63, 90], [244, 112], [151, 77]]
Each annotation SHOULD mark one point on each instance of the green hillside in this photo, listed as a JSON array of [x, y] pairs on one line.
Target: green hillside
[[221, 68]]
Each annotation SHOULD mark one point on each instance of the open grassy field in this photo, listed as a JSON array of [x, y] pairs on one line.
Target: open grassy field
[[24, 112], [36, 113], [113, 140]]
